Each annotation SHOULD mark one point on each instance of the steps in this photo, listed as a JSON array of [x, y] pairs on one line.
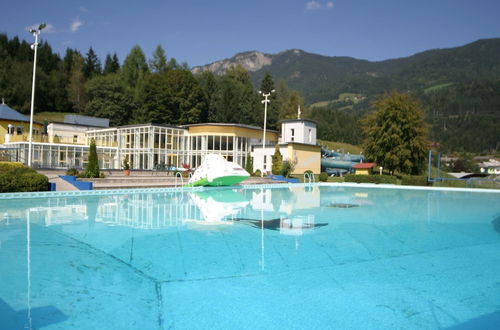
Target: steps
[[137, 179], [155, 181]]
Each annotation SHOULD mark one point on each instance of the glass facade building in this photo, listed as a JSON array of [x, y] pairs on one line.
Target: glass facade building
[[148, 145]]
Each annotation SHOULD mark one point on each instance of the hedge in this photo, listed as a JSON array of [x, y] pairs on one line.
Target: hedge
[[22, 179], [7, 166], [414, 180], [371, 179]]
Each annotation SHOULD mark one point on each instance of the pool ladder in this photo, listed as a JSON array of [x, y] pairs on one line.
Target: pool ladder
[[309, 177], [179, 175]]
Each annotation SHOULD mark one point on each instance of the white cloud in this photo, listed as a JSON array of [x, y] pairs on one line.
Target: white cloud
[[314, 5], [83, 9], [76, 24]]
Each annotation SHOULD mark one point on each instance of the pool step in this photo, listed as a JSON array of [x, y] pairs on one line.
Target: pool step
[[163, 182]]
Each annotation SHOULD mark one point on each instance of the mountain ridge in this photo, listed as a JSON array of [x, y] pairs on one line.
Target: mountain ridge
[[321, 77]]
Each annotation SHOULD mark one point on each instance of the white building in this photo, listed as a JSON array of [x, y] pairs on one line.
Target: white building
[[297, 144]]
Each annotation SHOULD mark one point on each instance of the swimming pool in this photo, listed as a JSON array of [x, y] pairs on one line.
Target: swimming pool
[[295, 256]]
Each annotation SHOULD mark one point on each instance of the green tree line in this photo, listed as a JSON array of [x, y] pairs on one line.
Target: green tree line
[[139, 90]]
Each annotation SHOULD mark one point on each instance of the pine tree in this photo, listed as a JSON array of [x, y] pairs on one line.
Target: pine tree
[[277, 161], [91, 65], [92, 169], [134, 67], [111, 65], [290, 107], [249, 164], [267, 86], [159, 61]]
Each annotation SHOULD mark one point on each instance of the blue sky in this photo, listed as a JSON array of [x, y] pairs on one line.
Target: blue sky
[[201, 32]]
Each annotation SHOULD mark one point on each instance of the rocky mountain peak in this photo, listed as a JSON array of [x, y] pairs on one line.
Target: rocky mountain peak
[[251, 61]]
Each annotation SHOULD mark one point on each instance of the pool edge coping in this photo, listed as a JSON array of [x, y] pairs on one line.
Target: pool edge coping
[[41, 194]]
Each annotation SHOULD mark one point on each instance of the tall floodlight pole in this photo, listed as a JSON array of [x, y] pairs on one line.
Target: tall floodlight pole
[[35, 33], [265, 101]]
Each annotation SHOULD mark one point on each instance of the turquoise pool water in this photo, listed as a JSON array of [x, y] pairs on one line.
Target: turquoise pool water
[[298, 257]]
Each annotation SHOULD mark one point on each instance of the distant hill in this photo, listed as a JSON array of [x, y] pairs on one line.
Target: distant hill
[[322, 78], [459, 88]]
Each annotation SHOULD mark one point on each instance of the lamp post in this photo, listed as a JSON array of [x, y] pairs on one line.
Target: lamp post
[[35, 33], [265, 101]]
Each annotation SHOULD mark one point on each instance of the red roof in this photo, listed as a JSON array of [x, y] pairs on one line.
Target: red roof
[[365, 165]]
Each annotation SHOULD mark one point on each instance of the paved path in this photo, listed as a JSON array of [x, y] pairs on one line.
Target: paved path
[[61, 185]]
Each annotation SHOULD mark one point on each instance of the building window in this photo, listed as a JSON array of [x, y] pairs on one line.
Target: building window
[[75, 138], [19, 130], [292, 135], [310, 135]]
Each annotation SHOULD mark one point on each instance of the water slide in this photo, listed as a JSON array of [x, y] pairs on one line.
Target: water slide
[[336, 163]]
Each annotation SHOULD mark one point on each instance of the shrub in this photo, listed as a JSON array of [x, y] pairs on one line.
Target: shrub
[[72, 171], [6, 166], [23, 179], [323, 177], [286, 169], [371, 178], [414, 180], [257, 173]]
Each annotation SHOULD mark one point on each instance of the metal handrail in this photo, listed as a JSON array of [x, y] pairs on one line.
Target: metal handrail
[[308, 177], [179, 174]]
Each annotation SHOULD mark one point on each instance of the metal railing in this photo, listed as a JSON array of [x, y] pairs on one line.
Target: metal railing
[[179, 175], [309, 177]]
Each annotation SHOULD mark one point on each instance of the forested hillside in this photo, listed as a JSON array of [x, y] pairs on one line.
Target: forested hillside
[[140, 90], [458, 87]]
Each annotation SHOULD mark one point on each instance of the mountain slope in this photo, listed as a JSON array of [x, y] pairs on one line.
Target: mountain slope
[[323, 78]]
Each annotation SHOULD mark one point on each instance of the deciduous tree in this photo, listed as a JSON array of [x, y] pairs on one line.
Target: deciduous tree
[[109, 98], [395, 134]]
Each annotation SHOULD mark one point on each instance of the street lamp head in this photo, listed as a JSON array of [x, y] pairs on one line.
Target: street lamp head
[[260, 92], [273, 91], [41, 26]]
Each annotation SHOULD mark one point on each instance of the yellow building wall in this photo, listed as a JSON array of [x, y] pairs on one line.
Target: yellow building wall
[[362, 171], [308, 158], [232, 131], [26, 128]]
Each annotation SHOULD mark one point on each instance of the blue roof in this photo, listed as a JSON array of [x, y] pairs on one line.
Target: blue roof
[[7, 113]]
